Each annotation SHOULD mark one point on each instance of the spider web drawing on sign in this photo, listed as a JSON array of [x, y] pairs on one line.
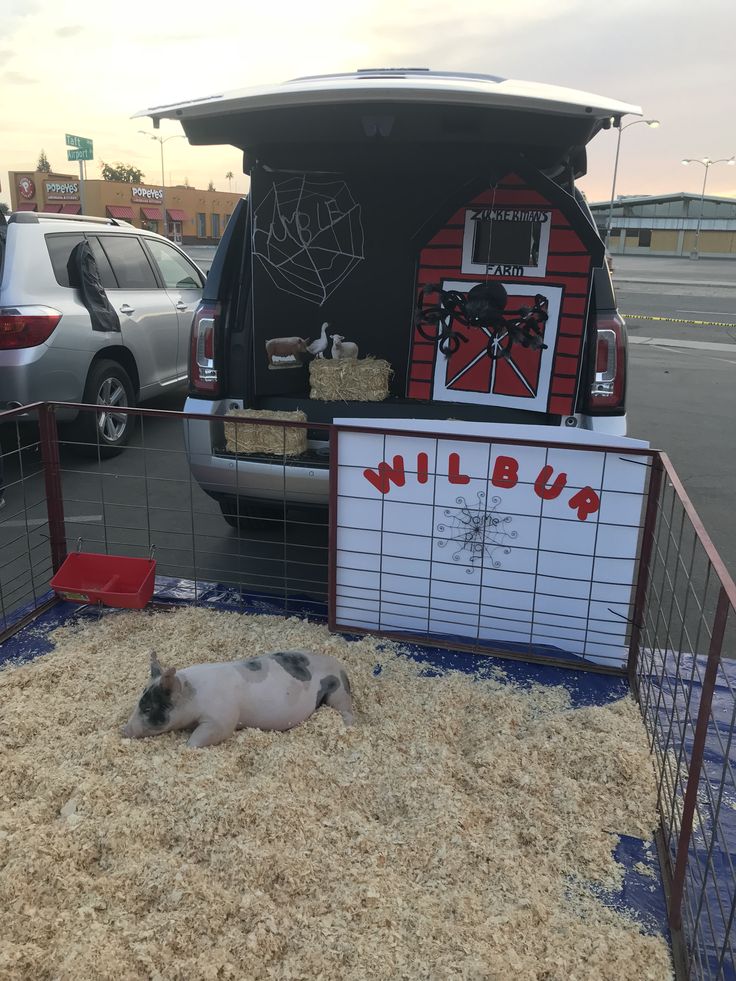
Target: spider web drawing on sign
[[308, 236], [474, 533]]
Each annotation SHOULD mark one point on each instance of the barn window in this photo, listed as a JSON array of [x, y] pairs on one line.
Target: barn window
[[514, 242], [506, 241]]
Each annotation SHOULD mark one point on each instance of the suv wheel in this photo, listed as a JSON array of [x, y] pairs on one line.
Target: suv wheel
[[105, 432]]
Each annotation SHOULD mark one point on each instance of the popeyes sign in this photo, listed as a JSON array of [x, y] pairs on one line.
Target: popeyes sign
[[26, 188], [62, 190], [519, 546]]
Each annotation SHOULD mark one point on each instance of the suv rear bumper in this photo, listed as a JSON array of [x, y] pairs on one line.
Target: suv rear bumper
[[42, 373], [257, 481], [223, 475]]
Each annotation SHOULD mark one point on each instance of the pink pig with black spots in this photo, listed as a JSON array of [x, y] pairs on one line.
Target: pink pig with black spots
[[274, 691]]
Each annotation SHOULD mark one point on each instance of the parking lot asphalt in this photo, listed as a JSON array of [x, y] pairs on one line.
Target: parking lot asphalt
[[682, 397]]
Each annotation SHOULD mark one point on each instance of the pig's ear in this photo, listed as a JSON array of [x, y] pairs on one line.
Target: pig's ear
[[155, 666], [169, 681]]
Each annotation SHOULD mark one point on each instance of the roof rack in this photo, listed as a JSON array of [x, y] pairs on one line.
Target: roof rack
[[32, 217]]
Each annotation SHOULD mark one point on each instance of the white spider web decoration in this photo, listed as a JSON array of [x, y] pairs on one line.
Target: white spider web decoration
[[308, 236], [475, 533]]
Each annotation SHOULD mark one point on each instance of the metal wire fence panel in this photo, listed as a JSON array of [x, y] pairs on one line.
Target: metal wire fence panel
[[25, 551], [685, 679], [63, 494]]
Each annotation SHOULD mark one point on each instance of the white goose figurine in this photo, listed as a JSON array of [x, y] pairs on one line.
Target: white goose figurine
[[318, 347]]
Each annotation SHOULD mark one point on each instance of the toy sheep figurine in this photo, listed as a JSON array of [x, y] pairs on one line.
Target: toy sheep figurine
[[342, 348]]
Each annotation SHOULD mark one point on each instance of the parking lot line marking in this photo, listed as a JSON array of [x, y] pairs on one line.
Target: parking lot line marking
[[673, 342], [675, 320], [716, 312], [80, 519]]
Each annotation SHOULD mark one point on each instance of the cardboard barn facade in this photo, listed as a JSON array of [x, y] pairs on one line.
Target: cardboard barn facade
[[516, 546], [530, 241]]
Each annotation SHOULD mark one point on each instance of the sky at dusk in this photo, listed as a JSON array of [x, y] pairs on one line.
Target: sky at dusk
[[86, 68]]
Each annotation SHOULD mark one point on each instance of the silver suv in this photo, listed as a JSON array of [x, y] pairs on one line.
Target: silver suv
[[52, 346]]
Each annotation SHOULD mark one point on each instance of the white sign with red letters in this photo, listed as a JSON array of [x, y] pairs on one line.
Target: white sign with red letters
[[512, 545]]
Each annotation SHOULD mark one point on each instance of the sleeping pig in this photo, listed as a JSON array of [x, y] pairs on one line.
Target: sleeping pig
[[274, 691]]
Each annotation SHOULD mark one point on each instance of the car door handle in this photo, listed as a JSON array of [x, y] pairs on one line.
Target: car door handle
[[127, 309], [181, 306]]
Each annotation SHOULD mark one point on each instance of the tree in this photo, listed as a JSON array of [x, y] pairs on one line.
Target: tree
[[43, 164], [229, 178], [211, 186], [124, 173], [4, 208]]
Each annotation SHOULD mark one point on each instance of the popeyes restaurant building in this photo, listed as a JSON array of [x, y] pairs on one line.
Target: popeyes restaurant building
[[185, 214]]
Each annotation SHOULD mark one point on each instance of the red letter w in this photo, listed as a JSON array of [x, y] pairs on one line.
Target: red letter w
[[382, 480]]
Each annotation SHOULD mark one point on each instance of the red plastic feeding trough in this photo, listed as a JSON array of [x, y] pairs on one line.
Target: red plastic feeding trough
[[113, 580]]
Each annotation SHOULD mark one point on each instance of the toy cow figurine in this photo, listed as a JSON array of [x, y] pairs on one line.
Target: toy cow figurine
[[286, 347], [275, 691]]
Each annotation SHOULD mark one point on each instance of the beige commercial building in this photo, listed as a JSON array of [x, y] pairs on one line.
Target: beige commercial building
[[185, 214], [669, 224]]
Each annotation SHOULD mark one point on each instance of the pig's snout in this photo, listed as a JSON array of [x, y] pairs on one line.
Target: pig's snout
[[131, 731]]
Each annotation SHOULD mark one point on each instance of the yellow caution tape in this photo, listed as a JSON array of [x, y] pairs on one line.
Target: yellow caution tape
[[674, 320]]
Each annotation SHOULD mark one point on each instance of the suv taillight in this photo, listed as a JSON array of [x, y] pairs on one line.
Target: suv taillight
[[26, 326], [202, 371], [608, 382]]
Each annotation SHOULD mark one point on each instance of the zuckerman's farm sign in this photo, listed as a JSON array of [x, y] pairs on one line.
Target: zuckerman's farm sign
[[511, 545]]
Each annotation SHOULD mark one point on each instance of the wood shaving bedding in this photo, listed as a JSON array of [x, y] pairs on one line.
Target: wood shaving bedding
[[453, 833]]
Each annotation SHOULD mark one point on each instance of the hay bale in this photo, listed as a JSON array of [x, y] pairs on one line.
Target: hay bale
[[279, 440], [349, 380]]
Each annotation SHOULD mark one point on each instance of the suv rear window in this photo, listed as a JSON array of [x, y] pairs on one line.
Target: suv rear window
[[129, 262], [60, 249]]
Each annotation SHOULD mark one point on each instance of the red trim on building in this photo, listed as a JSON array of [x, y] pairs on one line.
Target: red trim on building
[[71, 209], [26, 206], [52, 209], [176, 214], [151, 214], [123, 211]]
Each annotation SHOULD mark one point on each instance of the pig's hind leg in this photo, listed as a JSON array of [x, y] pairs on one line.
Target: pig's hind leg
[[334, 690]]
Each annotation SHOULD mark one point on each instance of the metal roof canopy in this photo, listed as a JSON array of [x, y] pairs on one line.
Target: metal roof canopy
[[381, 111], [636, 199]]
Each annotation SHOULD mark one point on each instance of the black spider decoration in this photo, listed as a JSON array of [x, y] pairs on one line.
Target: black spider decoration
[[483, 307]]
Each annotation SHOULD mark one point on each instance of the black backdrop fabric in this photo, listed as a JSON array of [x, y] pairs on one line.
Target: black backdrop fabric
[[373, 305]]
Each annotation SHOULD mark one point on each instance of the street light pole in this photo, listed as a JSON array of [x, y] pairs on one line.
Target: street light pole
[[652, 123], [707, 163], [161, 140], [163, 191]]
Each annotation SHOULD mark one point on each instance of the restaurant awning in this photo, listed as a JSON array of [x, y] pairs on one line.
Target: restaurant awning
[[123, 211], [52, 209], [26, 206], [71, 209], [151, 214], [176, 214]]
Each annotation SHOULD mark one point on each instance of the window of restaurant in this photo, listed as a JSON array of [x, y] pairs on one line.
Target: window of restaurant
[[215, 226], [201, 225]]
